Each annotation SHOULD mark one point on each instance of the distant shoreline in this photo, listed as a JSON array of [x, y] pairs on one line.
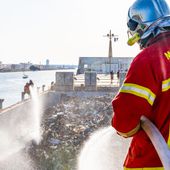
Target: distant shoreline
[[9, 71]]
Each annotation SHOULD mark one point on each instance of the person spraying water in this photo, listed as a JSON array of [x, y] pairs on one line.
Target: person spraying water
[[146, 88], [27, 87], [141, 107]]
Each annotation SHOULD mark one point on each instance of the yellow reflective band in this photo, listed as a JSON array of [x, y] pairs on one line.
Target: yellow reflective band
[[165, 85], [139, 91], [169, 139], [130, 133], [154, 168], [167, 55]]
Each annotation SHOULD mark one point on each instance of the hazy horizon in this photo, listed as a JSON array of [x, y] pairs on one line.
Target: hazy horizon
[[62, 31]]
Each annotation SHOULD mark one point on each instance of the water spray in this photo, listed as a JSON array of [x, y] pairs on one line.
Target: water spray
[[36, 115], [17, 130], [103, 150]]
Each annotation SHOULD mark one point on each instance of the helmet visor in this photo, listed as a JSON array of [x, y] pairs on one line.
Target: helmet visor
[[132, 24]]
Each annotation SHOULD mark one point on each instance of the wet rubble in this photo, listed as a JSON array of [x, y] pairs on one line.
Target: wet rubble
[[65, 128]]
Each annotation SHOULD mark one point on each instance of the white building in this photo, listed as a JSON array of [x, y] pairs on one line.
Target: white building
[[103, 65]]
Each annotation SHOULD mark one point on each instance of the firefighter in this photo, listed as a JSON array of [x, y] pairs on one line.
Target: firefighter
[[26, 89], [146, 88]]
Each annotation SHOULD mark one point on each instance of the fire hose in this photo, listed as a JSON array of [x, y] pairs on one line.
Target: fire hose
[[158, 141]]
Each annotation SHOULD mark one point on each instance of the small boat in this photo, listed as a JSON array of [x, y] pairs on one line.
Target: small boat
[[25, 76]]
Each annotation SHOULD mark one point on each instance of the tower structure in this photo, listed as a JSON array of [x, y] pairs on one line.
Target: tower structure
[[115, 38]]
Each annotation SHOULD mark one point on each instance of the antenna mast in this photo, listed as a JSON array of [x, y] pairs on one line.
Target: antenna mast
[[115, 37]]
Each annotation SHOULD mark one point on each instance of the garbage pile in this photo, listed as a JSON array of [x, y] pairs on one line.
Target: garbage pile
[[66, 127]]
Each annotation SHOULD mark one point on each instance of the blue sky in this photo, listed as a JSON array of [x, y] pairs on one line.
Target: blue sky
[[62, 30]]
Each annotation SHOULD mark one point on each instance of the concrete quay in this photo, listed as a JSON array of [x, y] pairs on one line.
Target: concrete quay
[[103, 80], [90, 81]]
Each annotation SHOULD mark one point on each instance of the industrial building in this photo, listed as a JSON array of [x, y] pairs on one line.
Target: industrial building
[[103, 65]]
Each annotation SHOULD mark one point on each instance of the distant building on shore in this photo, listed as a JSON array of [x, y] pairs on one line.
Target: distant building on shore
[[32, 67], [47, 62], [103, 65]]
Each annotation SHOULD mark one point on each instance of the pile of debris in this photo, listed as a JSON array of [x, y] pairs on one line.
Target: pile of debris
[[66, 127]]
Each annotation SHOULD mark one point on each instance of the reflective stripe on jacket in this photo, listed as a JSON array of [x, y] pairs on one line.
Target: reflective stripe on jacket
[[161, 168], [139, 91]]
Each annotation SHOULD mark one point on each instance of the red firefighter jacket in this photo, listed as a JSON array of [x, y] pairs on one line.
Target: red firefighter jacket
[[145, 91]]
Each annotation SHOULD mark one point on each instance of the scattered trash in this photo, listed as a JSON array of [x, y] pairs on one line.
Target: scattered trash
[[66, 127]]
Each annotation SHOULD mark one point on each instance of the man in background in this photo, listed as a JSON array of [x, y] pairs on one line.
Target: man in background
[[111, 76]]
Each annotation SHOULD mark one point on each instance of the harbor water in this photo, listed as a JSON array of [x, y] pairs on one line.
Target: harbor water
[[12, 83]]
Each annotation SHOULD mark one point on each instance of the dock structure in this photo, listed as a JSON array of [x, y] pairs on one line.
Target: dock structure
[[89, 81], [64, 81]]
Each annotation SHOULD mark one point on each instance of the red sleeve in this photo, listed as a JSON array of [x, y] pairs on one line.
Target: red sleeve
[[133, 99]]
